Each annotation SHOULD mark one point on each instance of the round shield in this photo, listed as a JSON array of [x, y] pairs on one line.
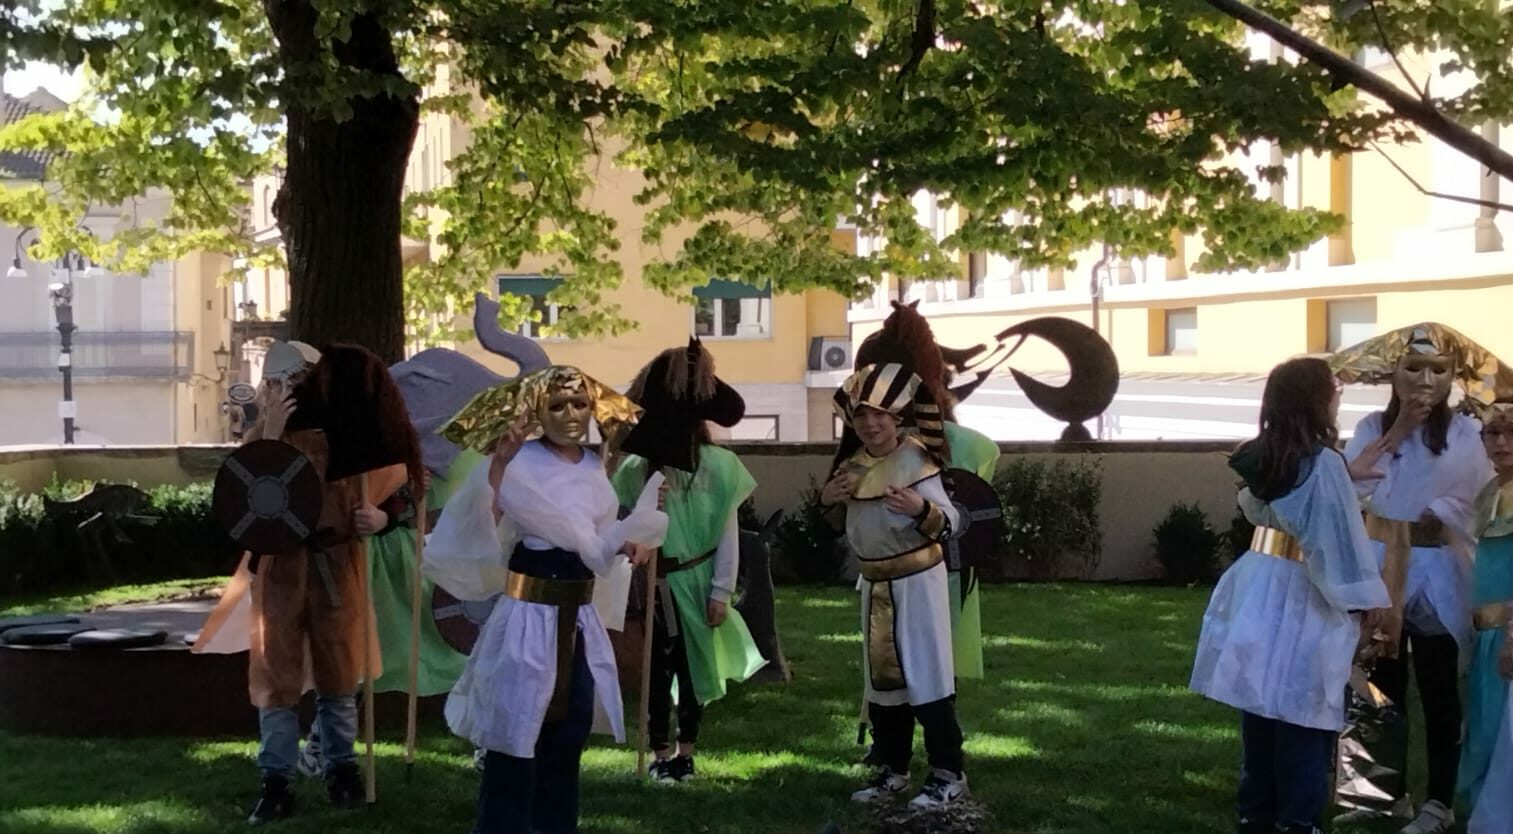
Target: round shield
[[267, 497], [241, 393], [457, 621], [980, 530]]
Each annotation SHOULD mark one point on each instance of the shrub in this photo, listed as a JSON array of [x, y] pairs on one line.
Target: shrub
[[805, 548], [42, 551], [1187, 546], [1238, 536], [1050, 515]]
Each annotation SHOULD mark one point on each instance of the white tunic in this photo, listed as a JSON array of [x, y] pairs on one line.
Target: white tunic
[[500, 701], [921, 602], [1278, 637], [1437, 599]]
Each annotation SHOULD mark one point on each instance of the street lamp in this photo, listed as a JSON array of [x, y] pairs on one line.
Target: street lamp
[[61, 294], [222, 359]]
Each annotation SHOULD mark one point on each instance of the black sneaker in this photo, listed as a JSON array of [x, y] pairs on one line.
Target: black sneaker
[[681, 768], [345, 787], [274, 801]]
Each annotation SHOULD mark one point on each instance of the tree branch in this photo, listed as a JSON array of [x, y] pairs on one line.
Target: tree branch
[[1475, 201], [1381, 32], [923, 39], [1418, 111]]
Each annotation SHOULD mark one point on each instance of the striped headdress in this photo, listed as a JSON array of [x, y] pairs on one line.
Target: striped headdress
[[892, 388]]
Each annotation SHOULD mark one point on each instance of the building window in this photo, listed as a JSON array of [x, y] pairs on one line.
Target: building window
[[725, 309], [1182, 331], [756, 427], [1350, 321], [542, 314]]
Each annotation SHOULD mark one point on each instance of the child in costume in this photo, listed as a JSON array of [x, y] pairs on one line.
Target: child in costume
[[308, 610], [897, 517], [1486, 764], [1282, 627], [538, 521], [1418, 468], [906, 339], [698, 636]]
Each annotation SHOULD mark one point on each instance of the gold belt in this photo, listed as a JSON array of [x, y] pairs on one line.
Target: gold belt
[[1491, 615], [1378, 529], [1274, 542], [904, 564], [566, 595], [558, 592]]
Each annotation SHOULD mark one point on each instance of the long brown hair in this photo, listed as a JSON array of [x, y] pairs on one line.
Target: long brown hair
[[1295, 425], [1436, 425]]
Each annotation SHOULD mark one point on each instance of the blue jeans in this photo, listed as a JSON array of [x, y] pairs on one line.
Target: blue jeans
[[540, 795], [1284, 774], [335, 721]]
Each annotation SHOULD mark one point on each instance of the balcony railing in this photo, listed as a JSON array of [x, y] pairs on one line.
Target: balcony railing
[[130, 354]]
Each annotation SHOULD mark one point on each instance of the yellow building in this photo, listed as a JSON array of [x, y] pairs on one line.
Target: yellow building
[[146, 351], [770, 348], [1402, 258]]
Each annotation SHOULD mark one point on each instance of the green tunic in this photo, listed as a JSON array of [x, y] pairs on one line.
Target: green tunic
[[391, 570], [976, 453], [698, 507]]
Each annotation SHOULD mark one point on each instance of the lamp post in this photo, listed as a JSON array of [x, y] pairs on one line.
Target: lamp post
[[61, 293]]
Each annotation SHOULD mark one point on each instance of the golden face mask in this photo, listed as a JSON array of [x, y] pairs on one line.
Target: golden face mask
[[565, 414], [1424, 374]]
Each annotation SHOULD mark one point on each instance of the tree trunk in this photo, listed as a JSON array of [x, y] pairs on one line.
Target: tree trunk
[[338, 207]]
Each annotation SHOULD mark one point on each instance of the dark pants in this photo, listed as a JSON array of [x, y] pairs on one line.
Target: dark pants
[[1436, 662], [893, 734], [669, 659], [1284, 774], [540, 795]]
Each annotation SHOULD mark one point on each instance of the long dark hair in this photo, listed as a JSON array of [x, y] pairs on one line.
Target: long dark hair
[[1436, 425], [1295, 425]]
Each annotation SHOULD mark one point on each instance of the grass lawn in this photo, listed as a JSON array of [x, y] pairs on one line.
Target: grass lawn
[[1083, 724]]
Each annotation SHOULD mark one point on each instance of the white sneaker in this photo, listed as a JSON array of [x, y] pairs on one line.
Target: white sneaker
[[941, 789], [310, 762], [885, 784], [1433, 818]]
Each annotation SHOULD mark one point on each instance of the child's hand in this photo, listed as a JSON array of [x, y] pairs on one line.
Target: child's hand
[[715, 613], [638, 554], [904, 501], [838, 488], [368, 519]]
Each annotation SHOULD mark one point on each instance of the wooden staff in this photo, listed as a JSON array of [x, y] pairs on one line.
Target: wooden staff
[[415, 601], [367, 660], [643, 733]]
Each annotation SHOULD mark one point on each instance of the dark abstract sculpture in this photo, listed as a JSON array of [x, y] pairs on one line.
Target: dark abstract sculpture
[[107, 509]]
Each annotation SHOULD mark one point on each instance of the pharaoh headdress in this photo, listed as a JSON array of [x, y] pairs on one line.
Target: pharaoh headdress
[[678, 391], [486, 418], [1482, 376], [892, 388]]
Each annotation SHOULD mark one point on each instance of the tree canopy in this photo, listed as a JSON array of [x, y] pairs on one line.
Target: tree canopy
[[757, 125]]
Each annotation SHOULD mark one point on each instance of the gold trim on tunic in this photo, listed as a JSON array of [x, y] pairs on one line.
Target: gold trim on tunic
[[890, 568], [1273, 542], [1380, 529], [883, 661], [567, 596], [1491, 615], [905, 466]]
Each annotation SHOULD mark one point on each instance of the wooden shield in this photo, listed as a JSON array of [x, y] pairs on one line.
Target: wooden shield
[[267, 497], [458, 622], [977, 538]]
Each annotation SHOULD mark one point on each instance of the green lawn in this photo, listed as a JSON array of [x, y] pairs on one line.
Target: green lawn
[[1084, 724]]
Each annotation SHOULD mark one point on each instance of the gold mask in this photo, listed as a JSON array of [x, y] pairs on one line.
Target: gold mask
[[1424, 374], [565, 414]]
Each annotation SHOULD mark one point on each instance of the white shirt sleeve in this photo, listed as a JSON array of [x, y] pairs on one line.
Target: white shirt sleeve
[[727, 562]]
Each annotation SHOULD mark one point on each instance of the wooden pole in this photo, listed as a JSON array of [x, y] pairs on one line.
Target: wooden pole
[[648, 623], [367, 660], [415, 603]]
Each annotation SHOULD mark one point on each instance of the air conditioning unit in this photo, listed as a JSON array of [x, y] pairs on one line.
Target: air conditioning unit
[[829, 353]]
